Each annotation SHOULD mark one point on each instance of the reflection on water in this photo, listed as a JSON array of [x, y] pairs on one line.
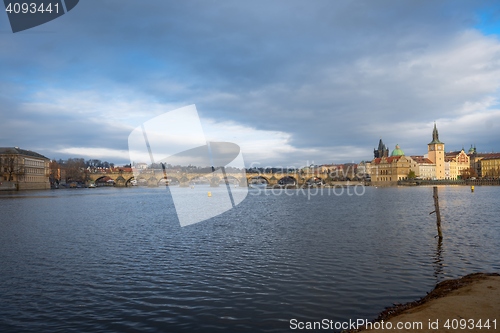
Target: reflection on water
[[116, 260], [438, 261]]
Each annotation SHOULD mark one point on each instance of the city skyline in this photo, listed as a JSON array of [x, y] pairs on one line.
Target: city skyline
[[257, 164], [290, 82]]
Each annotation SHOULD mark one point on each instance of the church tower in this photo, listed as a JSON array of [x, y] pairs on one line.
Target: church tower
[[382, 150], [436, 153]]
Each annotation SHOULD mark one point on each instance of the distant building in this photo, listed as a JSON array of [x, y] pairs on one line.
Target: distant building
[[435, 151], [490, 165], [424, 168], [381, 151], [455, 163], [397, 166], [474, 159], [476, 162], [141, 166], [436, 164], [388, 170], [57, 175], [23, 169], [342, 171], [327, 168], [365, 169]]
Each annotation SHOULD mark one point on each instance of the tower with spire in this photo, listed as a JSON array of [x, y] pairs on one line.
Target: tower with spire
[[435, 151], [382, 150]]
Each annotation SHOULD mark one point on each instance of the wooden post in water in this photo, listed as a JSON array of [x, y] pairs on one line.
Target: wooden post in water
[[438, 214]]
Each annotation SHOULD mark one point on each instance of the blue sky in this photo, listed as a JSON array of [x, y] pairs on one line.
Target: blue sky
[[291, 82], [488, 20]]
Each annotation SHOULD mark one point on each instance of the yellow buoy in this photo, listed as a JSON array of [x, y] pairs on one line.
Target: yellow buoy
[[209, 194], [472, 188]]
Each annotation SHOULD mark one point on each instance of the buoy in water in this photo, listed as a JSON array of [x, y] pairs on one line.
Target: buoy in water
[[209, 194], [472, 188]]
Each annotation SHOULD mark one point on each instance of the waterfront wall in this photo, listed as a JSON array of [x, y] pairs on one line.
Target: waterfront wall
[[7, 186], [14, 186], [465, 182], [34, 185], [383, 183]]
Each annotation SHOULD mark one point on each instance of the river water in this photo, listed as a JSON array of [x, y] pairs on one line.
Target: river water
[[117, 259]]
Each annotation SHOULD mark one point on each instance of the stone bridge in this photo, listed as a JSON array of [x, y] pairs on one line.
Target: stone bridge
[[176, 178]]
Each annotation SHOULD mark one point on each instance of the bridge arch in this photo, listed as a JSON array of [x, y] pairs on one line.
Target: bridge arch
[[105, 181], [142, 181], [315, 181], [128, 182], [215, 181], [288, 181], [231, 180], [257, 179], [152, 181], [173, 181], [200, 181], [102, 178]]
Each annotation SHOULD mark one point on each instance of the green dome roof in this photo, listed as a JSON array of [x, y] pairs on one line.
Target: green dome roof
[[397, 151]]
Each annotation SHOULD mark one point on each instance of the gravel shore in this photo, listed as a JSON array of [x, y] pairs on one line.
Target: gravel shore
[[460, 305]]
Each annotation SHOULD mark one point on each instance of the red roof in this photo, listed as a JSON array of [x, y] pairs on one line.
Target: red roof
[[421, 160], [452, 153], [389, 160], [492, 156]]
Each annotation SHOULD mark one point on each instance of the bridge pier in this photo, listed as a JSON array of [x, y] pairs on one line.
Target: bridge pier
[[153, 182], [120, 182], [214, 182], [242, 182]]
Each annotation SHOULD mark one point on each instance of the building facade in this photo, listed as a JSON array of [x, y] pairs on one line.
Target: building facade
[[455, 164], [23, 169], [435, 165], [435, 153], [364, 169], [490, 166], [381, 151], [397, 166], [423, 167], [389, 170]]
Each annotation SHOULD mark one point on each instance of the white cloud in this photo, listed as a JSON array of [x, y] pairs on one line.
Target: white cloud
[[325, 90], [108, 154], [116, 105]]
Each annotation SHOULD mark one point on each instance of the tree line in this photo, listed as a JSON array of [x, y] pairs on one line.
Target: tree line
[[75, 169], [10, 166]]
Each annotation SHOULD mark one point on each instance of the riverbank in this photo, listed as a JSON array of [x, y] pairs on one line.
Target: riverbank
[[464, 182], [459, 305]]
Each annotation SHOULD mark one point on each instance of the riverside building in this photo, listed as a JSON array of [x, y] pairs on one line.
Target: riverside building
[[455, 163], [22, 169], [388, 170], [435, 152], [490, 166]]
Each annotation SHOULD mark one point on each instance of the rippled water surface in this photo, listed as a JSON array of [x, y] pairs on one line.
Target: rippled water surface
[[117, 260]]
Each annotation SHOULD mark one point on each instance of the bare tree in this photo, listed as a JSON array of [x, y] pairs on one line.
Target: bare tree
[[54, 169], [468, 173], [10, 165], [75, 169]]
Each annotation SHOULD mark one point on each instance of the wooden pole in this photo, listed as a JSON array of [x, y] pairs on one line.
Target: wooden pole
[[438, 214]]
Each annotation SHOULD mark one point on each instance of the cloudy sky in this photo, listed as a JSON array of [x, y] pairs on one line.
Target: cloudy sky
[[291, 82]]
